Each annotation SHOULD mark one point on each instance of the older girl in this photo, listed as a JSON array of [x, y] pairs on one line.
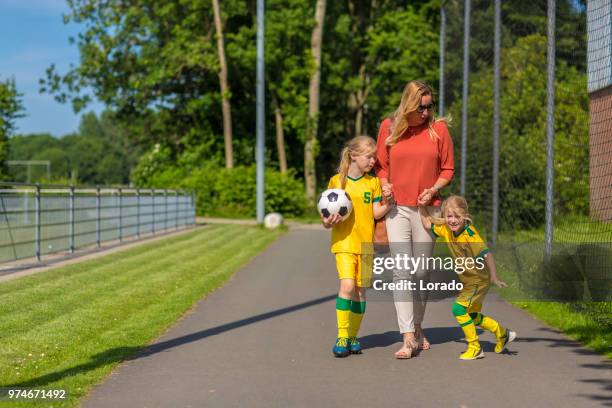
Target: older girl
[[350, 235]]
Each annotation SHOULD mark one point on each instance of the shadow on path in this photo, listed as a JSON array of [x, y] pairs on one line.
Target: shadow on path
[[435, 335], [117, 354]]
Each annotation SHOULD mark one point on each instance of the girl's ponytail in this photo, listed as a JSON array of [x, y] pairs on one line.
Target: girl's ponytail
[[343, 168]]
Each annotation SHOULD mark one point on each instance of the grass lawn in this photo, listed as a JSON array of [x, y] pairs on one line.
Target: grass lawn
[[69, 327], [519, 259], [584, 322]]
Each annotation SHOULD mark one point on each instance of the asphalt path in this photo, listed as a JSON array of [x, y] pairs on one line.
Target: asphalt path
[[265, 339]]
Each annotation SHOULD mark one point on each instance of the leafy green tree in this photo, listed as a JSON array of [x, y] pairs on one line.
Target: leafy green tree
[[520, 18], [376, 47], [523, 137], [11, 108], [99, 153], [154, 64]]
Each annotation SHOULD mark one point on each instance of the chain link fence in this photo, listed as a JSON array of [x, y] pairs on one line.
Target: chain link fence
[[528, 86], [38, 220]]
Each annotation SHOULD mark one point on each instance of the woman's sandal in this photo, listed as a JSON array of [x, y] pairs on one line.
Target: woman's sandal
[[424, 344], [406, 352]]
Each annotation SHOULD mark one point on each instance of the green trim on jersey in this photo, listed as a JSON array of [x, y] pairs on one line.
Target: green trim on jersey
[[433, 230], [354, 179], [482, 253]]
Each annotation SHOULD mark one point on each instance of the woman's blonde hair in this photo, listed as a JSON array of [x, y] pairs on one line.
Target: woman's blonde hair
[[411, 100], [457, 204], [358, 145]]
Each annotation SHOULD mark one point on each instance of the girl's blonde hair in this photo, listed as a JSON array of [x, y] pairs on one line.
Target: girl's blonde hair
[[411, 100], [358, 145], [457, 204]]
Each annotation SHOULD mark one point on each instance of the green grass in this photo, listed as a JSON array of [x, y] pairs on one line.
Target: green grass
[[588, 323], [519, 257], [69, 327]]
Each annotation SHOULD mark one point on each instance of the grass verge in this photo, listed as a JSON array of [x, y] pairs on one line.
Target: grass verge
[[576, 277], [579, 321], [69, 327]]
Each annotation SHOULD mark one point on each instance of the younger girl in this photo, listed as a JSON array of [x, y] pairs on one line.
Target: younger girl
[[354, 267], [463, 241]]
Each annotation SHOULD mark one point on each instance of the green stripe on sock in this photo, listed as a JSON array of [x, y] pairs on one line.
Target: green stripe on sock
[[466, 323], [343, 304], [358, 307]]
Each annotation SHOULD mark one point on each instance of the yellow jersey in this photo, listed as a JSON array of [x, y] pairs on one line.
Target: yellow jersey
[[466, 244], [358, 228]]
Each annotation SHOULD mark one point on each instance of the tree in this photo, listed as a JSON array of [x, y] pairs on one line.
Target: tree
[[99, 153], [313, 102], [523, 137], [288, 61], [155, 65], [11, 108], [225, 91], [370, 54]]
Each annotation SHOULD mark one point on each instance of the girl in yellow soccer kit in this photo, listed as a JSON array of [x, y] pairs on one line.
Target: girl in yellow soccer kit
[[354, 268], [463, 241]]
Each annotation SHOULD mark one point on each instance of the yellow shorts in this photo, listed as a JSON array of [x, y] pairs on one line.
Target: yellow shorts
[[355, 266], [472, 295]]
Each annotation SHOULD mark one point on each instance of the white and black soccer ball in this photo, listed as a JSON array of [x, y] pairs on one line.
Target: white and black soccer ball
[[335, 201], [273, 220]]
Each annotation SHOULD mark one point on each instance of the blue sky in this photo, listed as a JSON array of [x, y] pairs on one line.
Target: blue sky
[[34, 36]]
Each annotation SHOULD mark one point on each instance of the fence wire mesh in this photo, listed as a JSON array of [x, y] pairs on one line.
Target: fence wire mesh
[[581, 232], [37, 221]]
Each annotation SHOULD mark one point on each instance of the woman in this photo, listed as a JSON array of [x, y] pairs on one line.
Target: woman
[[415, 160]]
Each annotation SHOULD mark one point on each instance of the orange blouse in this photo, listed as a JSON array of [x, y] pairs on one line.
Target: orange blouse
[[415, 161]]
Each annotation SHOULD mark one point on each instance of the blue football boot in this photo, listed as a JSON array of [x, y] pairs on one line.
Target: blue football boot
[[341, 348], [354, 345]]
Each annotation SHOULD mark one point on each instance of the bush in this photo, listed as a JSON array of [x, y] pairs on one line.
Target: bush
[[232, 192], [578, 273]]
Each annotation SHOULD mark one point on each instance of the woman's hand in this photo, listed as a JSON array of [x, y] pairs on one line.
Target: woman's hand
[[331, 220], [426, 196]]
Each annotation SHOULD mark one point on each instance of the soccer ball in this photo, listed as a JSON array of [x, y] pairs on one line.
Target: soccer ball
[[273, 220], [335, 201]]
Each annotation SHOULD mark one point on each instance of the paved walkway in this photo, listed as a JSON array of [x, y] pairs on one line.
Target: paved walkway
[[264, 340]]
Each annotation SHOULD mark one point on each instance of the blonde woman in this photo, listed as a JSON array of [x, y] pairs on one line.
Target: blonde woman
[[414, 161]]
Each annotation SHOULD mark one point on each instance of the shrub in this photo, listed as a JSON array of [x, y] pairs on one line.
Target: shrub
[[232, 192]]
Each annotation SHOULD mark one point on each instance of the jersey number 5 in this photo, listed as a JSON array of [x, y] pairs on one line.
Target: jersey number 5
[[367, 197]]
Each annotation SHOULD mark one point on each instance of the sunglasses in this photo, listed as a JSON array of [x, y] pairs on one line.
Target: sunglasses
[[423, 108]]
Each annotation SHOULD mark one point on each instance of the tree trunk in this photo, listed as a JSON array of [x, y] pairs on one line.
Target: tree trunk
[[280, 135], [225, 92], [313, 102], [361, 13]]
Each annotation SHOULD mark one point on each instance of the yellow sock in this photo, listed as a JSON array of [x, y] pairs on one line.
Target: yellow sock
[[355, 317], [467, 325], [492, 326], [488, 324], [343, 311]]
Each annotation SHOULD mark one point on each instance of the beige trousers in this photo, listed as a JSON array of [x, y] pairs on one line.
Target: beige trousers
[[407, 236]]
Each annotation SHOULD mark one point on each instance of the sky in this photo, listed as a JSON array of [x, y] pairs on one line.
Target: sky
[[32, 37]]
